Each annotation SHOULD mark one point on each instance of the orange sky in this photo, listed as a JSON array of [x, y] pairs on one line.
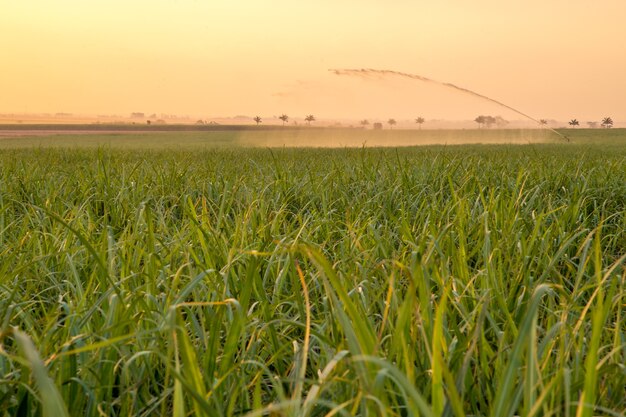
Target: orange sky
[[549, 58]]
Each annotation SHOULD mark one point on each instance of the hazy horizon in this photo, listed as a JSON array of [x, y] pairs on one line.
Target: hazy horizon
[[294, 121], [556, 60]]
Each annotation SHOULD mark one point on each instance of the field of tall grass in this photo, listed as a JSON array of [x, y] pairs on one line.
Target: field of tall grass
[[434, 281]]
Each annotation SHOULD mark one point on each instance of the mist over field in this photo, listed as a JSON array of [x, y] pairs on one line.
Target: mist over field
[[275, 138]]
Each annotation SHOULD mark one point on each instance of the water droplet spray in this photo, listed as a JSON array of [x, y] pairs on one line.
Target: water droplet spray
[[365, 72]]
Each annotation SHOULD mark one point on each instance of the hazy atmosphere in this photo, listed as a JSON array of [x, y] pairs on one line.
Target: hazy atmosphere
[[555, 60]]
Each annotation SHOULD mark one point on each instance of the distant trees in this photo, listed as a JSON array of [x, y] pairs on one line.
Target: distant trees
[[391, 122], [500, 122], [543, 122], [573, 123], [419, 121], [284, 118], [258, 120], [310, 118], [378, 126], [607, 122], [490, 121], [364, 122]]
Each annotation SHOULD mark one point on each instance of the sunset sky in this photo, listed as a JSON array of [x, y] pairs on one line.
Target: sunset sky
[[549, 58]]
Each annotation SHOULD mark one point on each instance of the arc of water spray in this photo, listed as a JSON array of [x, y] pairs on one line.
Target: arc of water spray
[[369, 71]]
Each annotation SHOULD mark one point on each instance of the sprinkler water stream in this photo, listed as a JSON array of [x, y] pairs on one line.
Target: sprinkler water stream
[[365, 72]]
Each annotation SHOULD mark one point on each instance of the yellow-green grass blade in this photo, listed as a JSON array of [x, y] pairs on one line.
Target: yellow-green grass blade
[[52, 404]]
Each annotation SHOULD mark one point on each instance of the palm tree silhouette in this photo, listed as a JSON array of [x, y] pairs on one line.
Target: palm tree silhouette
[[391, 123], [419, 121], [284, 118], [543, 122], [258, 120], [573, 123], [607, 122]]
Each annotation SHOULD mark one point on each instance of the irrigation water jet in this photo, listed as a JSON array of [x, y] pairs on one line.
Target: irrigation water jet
[[364, 72]]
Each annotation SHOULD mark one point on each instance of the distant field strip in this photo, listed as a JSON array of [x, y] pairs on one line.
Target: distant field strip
[[247, 136]]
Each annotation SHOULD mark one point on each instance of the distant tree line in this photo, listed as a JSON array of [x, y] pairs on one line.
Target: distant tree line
[[606, 123], [488, 121], [285, 118], [482, 120]]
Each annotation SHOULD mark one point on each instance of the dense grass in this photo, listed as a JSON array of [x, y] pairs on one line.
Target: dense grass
[[483, 280]]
